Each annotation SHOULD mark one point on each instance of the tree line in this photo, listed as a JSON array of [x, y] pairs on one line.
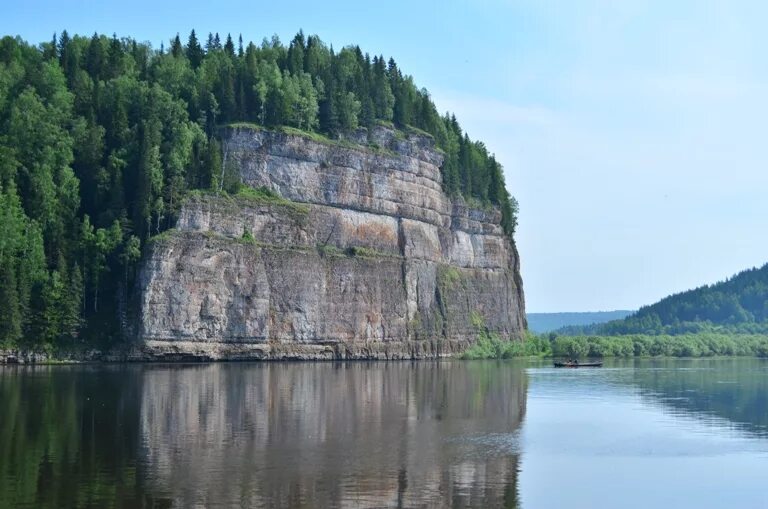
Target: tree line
[[101, 138], [702, 344]]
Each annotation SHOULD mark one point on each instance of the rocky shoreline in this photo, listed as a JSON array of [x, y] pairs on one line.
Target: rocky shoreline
[[179, 351]]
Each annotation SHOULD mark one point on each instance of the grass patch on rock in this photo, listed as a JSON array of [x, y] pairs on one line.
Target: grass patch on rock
[[247, 196]]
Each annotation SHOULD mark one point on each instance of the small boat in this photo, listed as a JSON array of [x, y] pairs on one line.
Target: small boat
[[577, 364]]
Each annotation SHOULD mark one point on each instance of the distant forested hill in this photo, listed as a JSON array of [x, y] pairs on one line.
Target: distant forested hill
[[548, 322], [738, 304]]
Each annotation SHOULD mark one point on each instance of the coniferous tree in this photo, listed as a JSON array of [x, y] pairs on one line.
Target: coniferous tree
[[114, 58], [177, 50], [94, 60], [316, 58], [12, 230], [195, 52], [296, 54], [67, 60], [229, 47], [50, 49], [383, 99]]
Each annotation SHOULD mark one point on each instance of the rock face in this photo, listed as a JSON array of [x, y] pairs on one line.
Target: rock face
[[364, 256]]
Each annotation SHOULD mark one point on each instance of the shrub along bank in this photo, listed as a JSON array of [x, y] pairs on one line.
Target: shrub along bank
[[491, 346]]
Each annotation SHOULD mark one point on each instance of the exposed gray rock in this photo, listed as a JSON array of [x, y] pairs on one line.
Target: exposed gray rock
[[368, 259]]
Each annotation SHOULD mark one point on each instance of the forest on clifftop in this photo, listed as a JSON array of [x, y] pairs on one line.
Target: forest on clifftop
[[101, 138]]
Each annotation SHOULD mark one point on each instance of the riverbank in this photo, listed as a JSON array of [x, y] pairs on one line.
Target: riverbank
[[488, 346], [180, 351], [82, 356]]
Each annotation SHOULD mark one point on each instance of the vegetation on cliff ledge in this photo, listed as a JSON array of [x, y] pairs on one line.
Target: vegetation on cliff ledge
[[101, 139], [492, 346]]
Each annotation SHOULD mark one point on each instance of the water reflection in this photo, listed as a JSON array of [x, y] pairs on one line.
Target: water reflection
[[345, 435], [262, 435], [647, 433], [68, 437], [735, 390], [731, 392]]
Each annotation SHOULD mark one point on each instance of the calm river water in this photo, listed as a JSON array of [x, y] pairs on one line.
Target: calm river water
[[667, 433]]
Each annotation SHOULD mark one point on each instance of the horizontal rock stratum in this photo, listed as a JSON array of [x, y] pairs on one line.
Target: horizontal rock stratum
[[364, 256]]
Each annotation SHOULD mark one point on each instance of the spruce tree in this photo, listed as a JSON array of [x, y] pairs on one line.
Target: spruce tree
[[94, 60], [195, 52], [296, 54], [114, 58], [229, 47], [50, 50], [176, 48]]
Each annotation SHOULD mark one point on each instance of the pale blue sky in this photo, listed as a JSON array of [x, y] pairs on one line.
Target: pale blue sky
[[632, 132]]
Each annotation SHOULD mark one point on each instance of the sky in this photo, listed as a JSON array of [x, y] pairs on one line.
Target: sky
[[632, 133]]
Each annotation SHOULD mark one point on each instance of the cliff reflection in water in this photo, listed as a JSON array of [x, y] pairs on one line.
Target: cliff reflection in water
[[334, 435]]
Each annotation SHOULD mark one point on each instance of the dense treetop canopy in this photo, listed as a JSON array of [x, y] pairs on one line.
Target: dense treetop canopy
[[101, 138]]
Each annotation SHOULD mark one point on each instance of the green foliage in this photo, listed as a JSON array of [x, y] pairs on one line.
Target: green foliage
[[491, 346], [639, 345], [259, 194], [264, 195], [328, 250], [367, 252], [448, 276], [251, 197], [247, 237], [476, 319], [163, 236]]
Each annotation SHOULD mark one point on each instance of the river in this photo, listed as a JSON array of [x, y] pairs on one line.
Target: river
[[645, 433]]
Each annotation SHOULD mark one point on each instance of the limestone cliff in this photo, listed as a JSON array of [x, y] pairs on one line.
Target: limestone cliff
[[364, 256]]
